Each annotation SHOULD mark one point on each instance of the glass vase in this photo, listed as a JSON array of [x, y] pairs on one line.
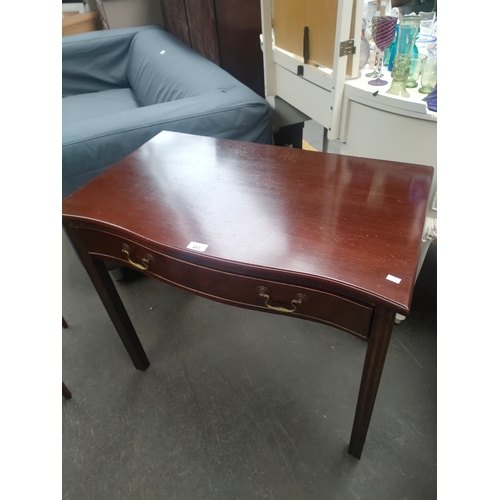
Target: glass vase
[[415, 68], [407, 34], [429, 75]]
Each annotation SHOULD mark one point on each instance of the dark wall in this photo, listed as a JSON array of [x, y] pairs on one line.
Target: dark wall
[[224, 31]]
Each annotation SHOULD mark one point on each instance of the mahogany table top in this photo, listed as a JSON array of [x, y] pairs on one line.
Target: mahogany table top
[[338, 223]]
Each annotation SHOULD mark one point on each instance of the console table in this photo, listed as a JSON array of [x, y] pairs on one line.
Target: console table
[[322, 237]]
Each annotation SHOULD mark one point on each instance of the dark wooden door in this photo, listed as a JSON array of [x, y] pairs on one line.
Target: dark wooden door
[[224, 31]]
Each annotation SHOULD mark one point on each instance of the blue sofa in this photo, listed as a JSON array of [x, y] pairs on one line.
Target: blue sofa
[[121, 87]]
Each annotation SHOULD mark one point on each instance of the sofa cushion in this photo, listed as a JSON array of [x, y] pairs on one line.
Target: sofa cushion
[[162, 69], [96, 105]]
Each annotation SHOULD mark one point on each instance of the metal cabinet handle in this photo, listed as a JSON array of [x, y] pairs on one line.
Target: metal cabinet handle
[[145, 262], [298, 299]]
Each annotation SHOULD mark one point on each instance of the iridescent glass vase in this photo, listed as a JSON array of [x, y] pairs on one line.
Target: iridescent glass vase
[[415, 69], [407, 34], [429, 75]]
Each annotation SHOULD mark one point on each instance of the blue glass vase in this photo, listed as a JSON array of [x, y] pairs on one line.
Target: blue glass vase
[[407, 34]]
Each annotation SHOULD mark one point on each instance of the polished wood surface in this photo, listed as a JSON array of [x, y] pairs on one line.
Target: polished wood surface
[[303, 233], [335, 223]]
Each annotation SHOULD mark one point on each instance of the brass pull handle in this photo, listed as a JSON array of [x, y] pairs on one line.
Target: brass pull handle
[[298, 299], [145, 262]]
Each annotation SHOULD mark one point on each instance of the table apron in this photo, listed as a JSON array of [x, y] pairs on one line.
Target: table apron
[[231, 288]]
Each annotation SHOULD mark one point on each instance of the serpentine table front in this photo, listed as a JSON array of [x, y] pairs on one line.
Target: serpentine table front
[[322, 237]]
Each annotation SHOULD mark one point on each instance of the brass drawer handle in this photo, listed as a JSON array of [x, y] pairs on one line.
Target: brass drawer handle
[[298, 298], [145, 262]]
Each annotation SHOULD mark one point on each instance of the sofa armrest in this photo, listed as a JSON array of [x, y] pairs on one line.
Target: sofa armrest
[[161, 68], [96, 61], [237, 114]]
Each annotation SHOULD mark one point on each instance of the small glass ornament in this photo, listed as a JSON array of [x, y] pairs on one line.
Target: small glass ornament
[[415, 69], [429, 75]]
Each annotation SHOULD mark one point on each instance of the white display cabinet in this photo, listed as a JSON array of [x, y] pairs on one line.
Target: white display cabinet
[[309, 49]]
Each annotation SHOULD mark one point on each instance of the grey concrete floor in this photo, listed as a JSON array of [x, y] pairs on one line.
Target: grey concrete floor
[[238, 404]]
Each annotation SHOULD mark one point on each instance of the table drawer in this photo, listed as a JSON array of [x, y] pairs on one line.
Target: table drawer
[[235, 289]]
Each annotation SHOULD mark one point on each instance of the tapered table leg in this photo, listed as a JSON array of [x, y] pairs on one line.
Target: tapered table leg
[[66, 392], [99, 275], [378, 343]]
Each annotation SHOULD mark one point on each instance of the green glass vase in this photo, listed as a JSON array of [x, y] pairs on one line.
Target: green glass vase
[[407, 34]]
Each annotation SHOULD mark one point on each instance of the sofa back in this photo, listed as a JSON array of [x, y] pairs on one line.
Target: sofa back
[[97, 61], [161, 69]]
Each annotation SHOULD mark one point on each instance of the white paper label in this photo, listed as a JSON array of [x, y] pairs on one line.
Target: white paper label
[[390, 277], [199, 247]]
